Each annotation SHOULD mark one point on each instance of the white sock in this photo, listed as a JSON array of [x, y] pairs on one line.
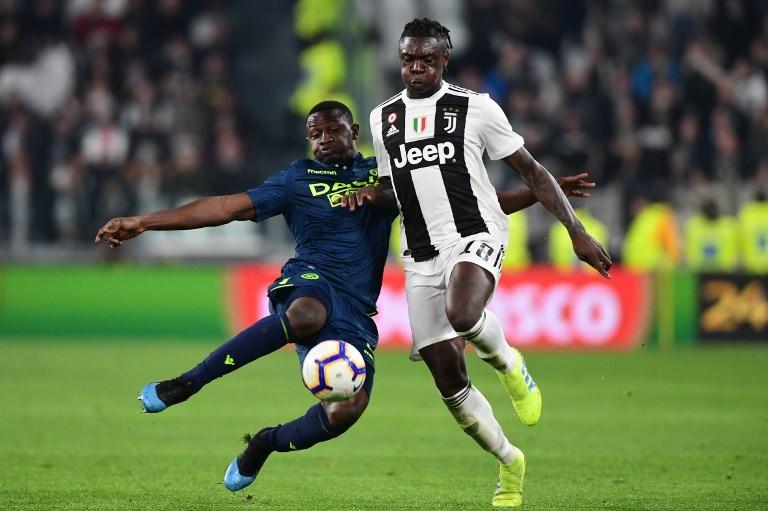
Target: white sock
[[475, 416], [488, 339]]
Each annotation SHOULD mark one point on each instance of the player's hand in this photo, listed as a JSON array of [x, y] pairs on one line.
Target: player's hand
[[118, 230], [591, 252], [576, 186], [356, 199]]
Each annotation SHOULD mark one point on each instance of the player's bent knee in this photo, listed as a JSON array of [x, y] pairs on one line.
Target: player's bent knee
[[463, 319], [344, 414], [307, 317]]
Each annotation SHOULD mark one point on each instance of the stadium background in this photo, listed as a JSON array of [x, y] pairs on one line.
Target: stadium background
[[117, 107]]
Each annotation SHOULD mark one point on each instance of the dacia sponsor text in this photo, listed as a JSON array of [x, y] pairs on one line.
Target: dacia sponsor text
[[335, 191]]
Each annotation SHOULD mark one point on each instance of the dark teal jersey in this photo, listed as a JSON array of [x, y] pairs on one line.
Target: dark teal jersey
[[348, 249]]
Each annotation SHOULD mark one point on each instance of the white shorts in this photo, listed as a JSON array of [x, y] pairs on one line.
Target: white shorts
[[426, 283]]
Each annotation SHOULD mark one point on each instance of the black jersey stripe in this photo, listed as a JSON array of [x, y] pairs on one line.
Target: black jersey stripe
[[450, 124], [416, 232]]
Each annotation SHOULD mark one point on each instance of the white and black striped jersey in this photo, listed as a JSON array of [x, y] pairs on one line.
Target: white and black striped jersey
[[433, 150]]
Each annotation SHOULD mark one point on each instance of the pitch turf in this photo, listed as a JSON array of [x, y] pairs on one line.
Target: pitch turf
[[644, 431]]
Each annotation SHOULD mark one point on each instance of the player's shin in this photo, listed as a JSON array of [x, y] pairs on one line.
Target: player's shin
[[474, 415], [488, 339], [302, 433], [262, 338]]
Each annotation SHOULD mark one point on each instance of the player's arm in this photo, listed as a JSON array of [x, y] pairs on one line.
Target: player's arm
[[205, 212], [545, 189], [522, 197], [382, 196]]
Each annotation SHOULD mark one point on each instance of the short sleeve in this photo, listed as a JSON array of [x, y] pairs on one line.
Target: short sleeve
[[382, 157], [496, 133], [269, 199]]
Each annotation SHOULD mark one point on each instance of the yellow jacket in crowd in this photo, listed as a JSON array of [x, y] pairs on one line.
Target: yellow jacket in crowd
[[712, 244], [652, 241], [516, 253], [753, 220]]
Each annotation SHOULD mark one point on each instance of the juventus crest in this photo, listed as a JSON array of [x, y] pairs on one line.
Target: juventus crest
[[450, 121]]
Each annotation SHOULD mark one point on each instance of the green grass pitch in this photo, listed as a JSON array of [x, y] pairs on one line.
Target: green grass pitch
[[685, 430]]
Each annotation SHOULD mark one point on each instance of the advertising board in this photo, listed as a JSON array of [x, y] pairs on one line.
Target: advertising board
[[538, 307]]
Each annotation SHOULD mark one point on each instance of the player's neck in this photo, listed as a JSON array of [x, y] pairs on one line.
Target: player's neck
[[347, 159], [421, 95]]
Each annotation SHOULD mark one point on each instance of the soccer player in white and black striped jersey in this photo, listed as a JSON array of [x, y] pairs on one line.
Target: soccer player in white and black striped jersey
[[429, 141]]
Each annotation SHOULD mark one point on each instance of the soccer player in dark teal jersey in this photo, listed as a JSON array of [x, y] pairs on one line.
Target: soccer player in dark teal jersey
[[328, 290]]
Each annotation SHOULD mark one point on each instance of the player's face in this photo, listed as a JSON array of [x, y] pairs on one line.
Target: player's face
[[331, 137], [422, 61]]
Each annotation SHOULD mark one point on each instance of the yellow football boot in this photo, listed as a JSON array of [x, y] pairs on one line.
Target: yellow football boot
[[525, 394], [509, 490]]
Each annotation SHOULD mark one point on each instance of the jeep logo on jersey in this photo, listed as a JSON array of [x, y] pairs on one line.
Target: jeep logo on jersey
[[415, 155]]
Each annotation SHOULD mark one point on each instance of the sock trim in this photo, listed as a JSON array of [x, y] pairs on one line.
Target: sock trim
[[323, 419], [459, 398], [284, 324], [473, 332], [325, 423]]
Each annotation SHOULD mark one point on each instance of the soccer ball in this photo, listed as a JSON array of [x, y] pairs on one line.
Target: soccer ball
[[333, 371]]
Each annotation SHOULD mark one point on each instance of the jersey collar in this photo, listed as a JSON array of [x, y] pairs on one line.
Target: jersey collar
[[349, 165], [429, 99]]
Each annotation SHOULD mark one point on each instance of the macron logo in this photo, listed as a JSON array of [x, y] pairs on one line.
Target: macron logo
[[441, 153]]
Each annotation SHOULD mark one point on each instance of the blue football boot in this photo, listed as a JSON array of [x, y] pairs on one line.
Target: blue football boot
[[242, 471], [156, 397]]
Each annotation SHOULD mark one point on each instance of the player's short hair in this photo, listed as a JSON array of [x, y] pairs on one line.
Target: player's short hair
[[326, 106], [426, 27]]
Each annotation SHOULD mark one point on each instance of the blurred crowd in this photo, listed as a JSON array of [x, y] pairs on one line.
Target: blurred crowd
[[663, 102], [108, 107], [666, 98], [111, 107], [657, 95]]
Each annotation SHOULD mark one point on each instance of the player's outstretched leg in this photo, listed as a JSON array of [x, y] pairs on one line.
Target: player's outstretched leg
[[491, 345], [322, 422], [263, 337]]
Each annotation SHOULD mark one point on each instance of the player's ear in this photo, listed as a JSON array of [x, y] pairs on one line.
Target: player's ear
[[355, 131]]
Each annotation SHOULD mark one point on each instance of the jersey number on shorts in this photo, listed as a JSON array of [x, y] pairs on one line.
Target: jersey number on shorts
[[485, 251]]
